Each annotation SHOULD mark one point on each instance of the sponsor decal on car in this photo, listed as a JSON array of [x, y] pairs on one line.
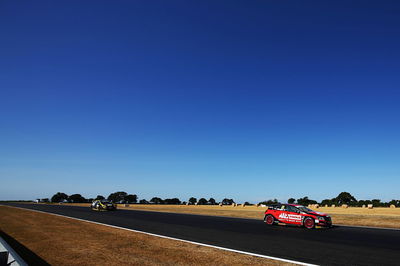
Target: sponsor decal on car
[[290, 217]]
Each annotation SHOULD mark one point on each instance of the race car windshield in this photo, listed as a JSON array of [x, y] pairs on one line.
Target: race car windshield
[[304, 209]]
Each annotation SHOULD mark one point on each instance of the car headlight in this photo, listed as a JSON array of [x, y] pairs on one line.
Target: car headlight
[[321, 218]]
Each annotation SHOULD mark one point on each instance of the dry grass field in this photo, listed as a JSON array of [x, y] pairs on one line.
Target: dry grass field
[[377, 217], [63, 241]]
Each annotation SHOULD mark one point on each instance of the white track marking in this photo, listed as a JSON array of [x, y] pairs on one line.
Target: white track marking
[[171, 238]]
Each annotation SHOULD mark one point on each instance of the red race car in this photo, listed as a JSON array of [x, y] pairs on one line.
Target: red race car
[[294, 214]]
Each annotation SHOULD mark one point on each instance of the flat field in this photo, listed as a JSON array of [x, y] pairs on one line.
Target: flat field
[[63, 241], [376, 217]]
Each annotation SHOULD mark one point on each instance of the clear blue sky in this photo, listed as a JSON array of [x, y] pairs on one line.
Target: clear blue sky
[[249, 100]]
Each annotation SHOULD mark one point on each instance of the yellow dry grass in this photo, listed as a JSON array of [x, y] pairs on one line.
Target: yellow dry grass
[[376, 217], [63, 241]]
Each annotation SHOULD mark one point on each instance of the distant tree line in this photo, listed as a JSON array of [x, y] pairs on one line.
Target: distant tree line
[[117, 197], [191, 201], [123, 197], [343, 198], [350, 200]]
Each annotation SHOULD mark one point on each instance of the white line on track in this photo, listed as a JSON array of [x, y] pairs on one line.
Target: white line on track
[[172, 238]]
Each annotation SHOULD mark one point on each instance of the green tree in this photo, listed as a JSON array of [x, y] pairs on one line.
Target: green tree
[[76, 198], [291, 200], [326, 202], [394, 202], [305, 201], [346, 198], [376, 202], [192, 200], [269, 202], [227, 201], [212, 201], [143, 201], [156, 200], [117, 197], [131, 198], [360, 203], [100, 197], [172, 201], [59, 197], [202, 201]]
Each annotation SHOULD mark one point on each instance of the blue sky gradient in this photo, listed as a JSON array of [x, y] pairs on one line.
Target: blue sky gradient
[[249, 100]]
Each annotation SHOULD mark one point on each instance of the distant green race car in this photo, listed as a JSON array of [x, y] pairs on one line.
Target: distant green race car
[[103, 205]]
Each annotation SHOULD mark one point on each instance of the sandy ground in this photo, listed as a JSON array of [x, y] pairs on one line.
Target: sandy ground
[[63, 241]]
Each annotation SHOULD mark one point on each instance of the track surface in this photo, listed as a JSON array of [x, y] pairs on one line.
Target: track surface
[[335, 246]]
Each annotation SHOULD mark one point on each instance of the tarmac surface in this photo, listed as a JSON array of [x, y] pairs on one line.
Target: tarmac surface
[[340, 245]]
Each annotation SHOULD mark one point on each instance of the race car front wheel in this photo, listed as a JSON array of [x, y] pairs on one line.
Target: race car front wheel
[[309, 223], [269, 219]]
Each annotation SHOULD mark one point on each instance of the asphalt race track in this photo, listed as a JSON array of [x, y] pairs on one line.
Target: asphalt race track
[[335, 246]]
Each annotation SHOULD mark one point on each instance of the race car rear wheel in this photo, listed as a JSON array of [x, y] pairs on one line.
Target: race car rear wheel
[[309, 223], [269, 219]]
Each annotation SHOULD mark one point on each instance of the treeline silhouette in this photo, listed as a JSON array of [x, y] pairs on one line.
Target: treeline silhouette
[[124, 197]]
